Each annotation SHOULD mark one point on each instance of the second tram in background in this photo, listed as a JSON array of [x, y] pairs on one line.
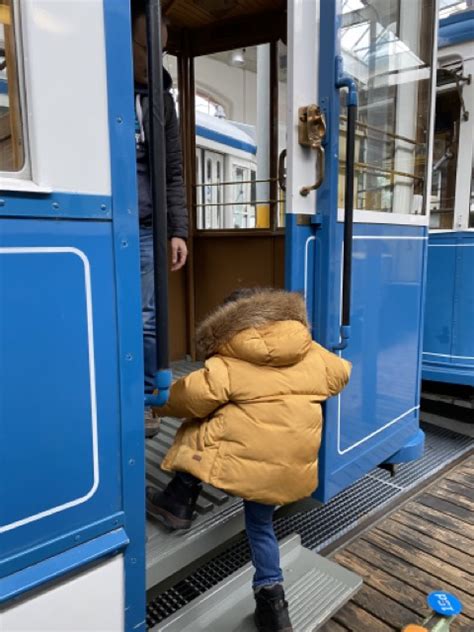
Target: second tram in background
[[448, 352]]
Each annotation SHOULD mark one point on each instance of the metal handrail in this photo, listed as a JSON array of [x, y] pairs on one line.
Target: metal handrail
[[391, 135], [249, 203], [392, 172], [232, 182]]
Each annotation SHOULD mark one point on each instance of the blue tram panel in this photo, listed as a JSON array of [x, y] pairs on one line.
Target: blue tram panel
[[50, 396], [448, 354], [384, 349], [59, 406], [376, 417]]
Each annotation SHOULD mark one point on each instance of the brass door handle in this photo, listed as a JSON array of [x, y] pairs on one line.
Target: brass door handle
[[311, 132], [282, 170], [305, 191]]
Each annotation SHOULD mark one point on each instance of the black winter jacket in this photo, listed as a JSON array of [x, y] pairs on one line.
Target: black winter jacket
[[176, 202]]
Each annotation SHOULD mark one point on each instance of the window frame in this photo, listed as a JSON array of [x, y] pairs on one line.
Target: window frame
[[12, 180]]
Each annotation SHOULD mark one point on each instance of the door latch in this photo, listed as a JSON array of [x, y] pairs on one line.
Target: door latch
[[311, 132]]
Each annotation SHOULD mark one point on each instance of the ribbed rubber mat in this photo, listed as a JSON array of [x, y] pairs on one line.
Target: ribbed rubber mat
[[323, 525]]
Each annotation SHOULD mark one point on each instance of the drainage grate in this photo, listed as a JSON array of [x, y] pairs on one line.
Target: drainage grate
[[323, 525]]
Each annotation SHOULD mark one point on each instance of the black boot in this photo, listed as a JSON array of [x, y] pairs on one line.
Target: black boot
[[174, 506], [271, 614]]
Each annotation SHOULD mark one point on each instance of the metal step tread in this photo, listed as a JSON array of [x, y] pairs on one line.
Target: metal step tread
[[448, 399], [219, 517], [167, 552], [315, 588], [465, 428]]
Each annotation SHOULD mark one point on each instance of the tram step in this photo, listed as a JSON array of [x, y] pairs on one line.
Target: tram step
[[315, 587], [466, 402], [218, 518]]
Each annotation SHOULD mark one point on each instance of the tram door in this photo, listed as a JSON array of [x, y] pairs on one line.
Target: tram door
[[359, 133]]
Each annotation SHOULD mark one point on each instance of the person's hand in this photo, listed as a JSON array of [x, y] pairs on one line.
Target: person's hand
[[179, 253]]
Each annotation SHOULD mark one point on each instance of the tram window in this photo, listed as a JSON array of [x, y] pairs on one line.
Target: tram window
[[445, 151], [210, 194], [239, 193], [387, 48], [253, 186], [244, 210], [219, 193], [471, 201], [12, 153]]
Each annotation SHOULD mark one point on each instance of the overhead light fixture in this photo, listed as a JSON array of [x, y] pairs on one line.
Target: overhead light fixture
[[237, 58]]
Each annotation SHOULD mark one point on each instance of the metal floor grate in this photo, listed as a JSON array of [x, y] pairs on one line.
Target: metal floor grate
[[321, 526]]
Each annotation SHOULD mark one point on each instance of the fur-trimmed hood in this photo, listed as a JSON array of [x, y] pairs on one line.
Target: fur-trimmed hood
[[265, 344]]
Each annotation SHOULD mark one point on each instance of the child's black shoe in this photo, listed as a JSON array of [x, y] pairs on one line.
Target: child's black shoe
[[271, 614], [174, 506]]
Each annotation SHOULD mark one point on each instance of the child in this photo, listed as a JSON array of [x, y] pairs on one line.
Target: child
[[252, 425]]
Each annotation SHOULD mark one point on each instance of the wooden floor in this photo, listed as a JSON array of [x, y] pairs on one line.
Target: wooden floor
[[426, 544]]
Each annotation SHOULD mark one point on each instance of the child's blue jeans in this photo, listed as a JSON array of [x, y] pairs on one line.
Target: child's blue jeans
[[263, 544], [261, 537]]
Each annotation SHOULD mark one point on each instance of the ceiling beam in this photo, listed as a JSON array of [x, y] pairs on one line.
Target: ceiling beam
[[226, 35]]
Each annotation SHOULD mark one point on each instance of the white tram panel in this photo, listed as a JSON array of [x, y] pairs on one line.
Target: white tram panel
[[92, 601], [68, 122]]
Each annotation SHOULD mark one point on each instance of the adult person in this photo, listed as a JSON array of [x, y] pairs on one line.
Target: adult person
[[176, 202]]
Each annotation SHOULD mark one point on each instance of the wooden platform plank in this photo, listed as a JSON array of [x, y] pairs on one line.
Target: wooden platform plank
[[461, 477], [445, 506], [467, 464], [423, 560], [333, 626], [424, 545], [409, 596], [430, 529], [384, 608], [385, 583], [466, 467], [463, 561], [462, 624], [359, 620], [448, 523], [459, 491], [411, 575]]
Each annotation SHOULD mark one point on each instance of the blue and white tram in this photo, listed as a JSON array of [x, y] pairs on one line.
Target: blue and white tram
[[72, 466], [448, 350], [225, 153]]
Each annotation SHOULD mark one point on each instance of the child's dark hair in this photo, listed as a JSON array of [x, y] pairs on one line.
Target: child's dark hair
[[245, 292]]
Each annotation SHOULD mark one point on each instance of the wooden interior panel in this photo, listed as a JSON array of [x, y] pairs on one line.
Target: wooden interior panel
[[279, 261], [221, 263], [178, 315], [225, 263]]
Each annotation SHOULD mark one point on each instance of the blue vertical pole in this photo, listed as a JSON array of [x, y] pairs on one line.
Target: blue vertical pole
[[129, 320]]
